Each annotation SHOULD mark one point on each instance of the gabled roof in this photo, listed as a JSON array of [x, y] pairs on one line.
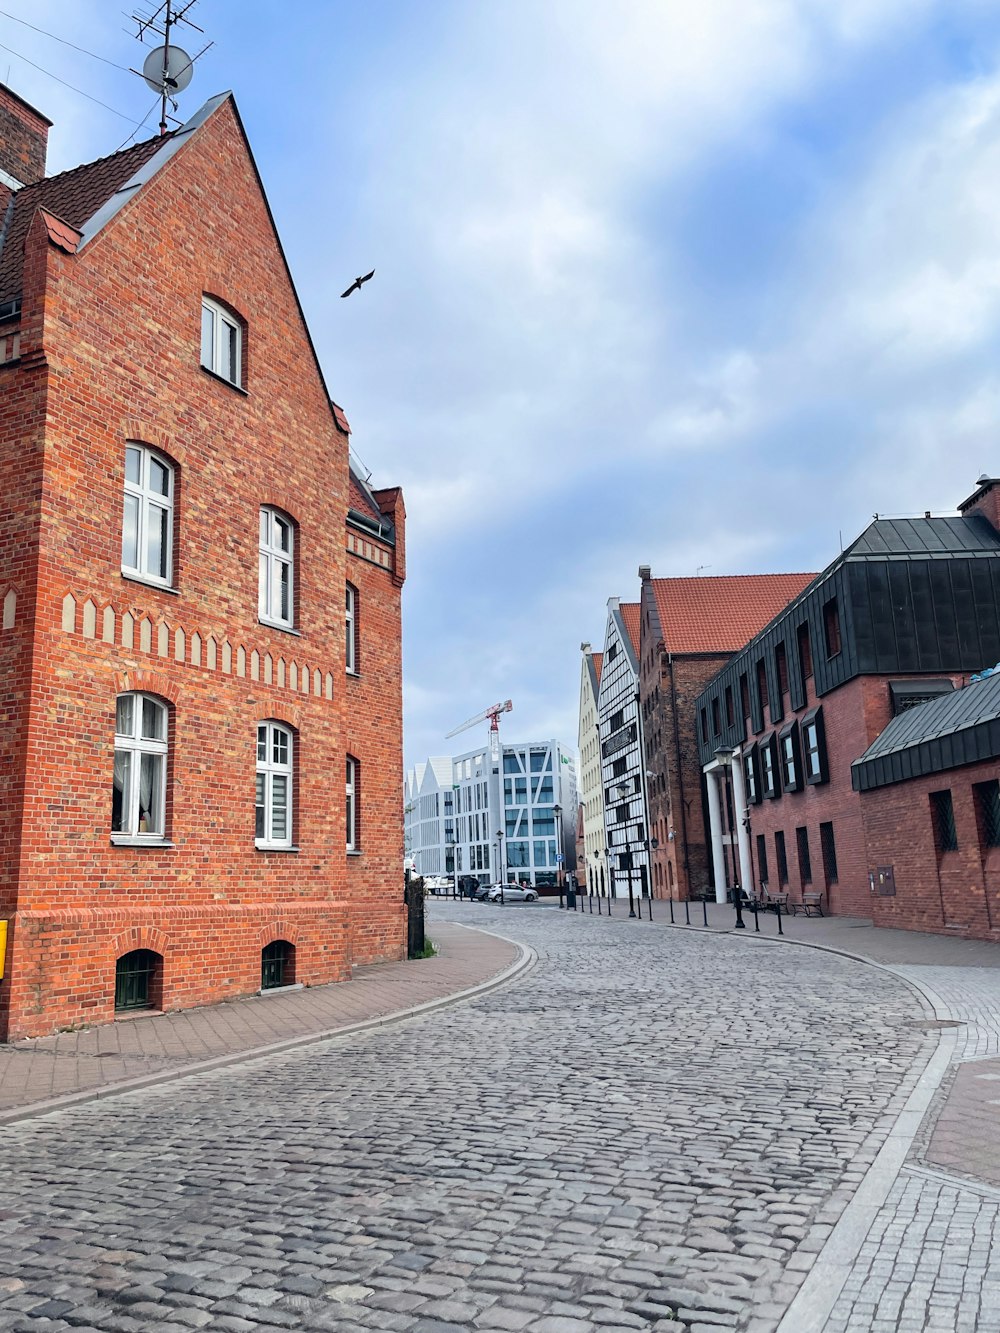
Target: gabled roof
[[923, 538], [962, 727], [73, 196], [722, 613], [632, 622], [363, 506]]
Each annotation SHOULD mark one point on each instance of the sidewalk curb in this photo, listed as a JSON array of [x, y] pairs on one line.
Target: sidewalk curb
[[813, 1303], [523, 963]]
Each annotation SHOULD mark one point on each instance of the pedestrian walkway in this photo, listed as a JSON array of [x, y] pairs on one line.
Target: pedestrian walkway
[[40, 1074]]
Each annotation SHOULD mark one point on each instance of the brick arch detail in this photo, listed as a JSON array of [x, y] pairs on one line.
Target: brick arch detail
[[278, 929], [148, 682], [139, 937], [144, 432], [285, 501], [289, 716]]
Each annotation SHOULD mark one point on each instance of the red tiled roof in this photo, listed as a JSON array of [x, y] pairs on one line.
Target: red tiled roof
[[340, 418], [359, 499], [73, 197], [630, 617], [721, 614], [598, 658]]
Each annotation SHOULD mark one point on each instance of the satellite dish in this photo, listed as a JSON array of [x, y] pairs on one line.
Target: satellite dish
[[176, 77]]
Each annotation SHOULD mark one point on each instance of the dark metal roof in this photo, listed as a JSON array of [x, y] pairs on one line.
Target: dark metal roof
[[958, 728], [923, 537]]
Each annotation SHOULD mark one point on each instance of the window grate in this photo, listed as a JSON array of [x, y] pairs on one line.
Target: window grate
[[829, 852], [987, 795], [943, 816], [782, 857], [805, 861], [276, 965], [133, 975]]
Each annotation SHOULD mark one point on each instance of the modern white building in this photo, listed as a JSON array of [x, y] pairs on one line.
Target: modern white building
[[514, 820], [625, 858]]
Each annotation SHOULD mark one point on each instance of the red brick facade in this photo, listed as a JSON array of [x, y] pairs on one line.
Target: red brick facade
[[109, 352], [958, 891]]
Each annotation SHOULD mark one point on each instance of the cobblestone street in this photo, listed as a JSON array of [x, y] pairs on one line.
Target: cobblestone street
[[651, 1129]]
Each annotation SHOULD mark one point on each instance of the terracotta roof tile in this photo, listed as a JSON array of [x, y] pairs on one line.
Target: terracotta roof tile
[[359, 499], [340, 418], [721, 614], [598, 658], [630, 617], [73, 197], [60, 233]]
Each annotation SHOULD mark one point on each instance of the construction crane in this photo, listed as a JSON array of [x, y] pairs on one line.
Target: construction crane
[[493, 715]]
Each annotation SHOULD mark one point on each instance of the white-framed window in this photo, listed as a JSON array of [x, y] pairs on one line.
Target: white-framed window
[[351, 629], [148, 517], [138, 790], [274, 785], [221, 341], [352, 804], [276, 590]]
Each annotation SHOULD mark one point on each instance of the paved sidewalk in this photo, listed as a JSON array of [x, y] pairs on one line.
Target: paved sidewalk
[[88, 1062]]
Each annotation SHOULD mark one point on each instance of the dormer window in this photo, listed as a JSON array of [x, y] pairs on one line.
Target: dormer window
[[221, 342]]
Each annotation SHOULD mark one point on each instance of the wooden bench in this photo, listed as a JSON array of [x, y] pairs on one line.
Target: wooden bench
[[772, 901], [811, 905]]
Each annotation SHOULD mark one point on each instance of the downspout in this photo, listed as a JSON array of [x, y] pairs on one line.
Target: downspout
[[680, 776]]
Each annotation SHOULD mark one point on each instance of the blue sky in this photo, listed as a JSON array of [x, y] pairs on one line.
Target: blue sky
[[704, 283]]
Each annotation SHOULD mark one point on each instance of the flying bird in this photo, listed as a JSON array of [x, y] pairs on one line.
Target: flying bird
[[356, 284]]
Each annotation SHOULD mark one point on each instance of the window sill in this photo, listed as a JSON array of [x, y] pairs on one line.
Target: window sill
[[277, 624], [133, 840], [272, 847], [355, 851], [221, 379], [353, 672], [280, 990], [151, 583]]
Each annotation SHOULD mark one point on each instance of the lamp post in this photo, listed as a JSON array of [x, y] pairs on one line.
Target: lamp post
[[724, 754], [500, 870], [557, 813]]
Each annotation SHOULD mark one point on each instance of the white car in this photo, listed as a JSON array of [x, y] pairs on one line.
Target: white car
[[512, 893]]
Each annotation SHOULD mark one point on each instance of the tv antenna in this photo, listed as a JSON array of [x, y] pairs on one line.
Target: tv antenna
[[167, 69]]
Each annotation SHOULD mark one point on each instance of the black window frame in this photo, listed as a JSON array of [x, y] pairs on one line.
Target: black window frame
[[986, 797], [828, 847], [767, 748], [781, 856], [762, 867], [804, 855], [751, 775], [789, 735], [813, 718], [943, 821]]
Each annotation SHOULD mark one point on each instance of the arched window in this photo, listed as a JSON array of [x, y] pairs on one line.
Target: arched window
[[353, 772], [148, 518], [138, 980], [277, 965], [274, 785], [276, 589], [138, 791], [221, 341], [351, 629]]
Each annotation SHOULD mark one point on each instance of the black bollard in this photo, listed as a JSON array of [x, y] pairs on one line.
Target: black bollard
[[704, 909], [756, 921], [777, 908], [671, 909], [687, 912]]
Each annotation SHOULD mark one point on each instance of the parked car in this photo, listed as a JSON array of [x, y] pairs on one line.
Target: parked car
[[482, 892], [512, 893]]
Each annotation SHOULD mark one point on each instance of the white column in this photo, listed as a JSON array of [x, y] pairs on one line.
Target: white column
[[742, 836], [715, 825]]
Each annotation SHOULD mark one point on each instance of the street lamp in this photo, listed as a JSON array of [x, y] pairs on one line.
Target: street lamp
[[500, 870], [558, 813], [724, 754]]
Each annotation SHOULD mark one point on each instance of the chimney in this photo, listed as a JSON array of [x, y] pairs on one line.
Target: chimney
[[984, 500], [24, 134], [644, 572]]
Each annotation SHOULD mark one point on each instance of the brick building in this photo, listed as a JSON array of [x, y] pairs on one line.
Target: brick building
[[200, 629], [930, 806], [623, 854], [899, 618], [689, 629]]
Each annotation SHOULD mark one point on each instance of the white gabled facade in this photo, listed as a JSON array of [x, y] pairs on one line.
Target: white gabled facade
[[625, 858], [428, 816], [591, 874]]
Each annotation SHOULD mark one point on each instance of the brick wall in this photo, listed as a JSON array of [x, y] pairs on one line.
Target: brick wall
[[953, 892], [23, 139], [118, 326]]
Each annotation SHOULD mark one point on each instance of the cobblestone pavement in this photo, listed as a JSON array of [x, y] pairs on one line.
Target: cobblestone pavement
[[94, 1059], [650, 1130]]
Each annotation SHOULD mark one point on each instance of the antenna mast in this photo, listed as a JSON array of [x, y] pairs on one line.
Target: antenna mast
[[170, 76]]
